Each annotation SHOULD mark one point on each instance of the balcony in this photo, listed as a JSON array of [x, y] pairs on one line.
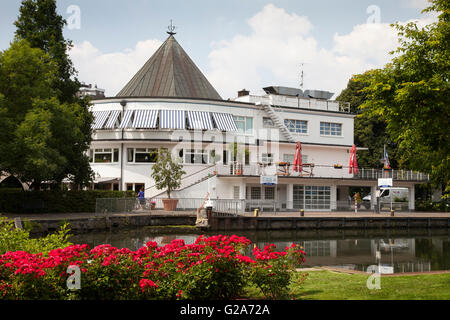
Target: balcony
[[317, 171]]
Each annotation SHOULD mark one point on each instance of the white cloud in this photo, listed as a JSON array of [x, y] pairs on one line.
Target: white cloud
[[111, 71], [280, 41], [270, 55]]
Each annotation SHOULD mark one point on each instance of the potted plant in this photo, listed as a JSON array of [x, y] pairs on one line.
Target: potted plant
[[167, 174], [153, 205]]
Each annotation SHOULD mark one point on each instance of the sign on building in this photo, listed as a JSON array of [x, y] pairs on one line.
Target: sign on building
[[269, 180], [385, 182]]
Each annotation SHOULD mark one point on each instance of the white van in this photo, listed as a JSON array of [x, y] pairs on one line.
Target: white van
[[394, 194]]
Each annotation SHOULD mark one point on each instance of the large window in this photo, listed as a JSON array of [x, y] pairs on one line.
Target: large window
[[107, 155], [142, 155], [244, 124], [296, 126], [312, 197], [331, 129], [196, 156]]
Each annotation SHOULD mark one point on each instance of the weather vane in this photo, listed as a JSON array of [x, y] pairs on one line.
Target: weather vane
[[171, 29]]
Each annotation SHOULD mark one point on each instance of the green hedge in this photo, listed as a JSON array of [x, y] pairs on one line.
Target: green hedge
[[16, 201], [429, 206]]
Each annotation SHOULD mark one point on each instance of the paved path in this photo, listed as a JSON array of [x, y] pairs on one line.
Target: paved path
[[75, 216], [69, 216]]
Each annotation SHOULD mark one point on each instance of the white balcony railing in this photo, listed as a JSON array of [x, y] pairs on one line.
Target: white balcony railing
[[318, 171]]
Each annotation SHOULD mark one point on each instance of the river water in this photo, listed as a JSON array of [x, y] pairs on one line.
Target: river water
[[414, 250]]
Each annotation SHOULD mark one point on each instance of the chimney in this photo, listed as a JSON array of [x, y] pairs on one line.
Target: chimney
[[243, 93]]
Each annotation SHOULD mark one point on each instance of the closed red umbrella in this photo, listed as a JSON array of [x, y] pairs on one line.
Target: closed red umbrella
[[353, 166], [298, 158]]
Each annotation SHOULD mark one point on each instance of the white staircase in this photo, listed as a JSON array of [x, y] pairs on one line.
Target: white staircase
[[279, 122]]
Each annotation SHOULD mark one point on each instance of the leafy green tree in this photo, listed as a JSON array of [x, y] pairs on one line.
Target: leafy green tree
[[38, 132], [369, 130], [412, 94], [167, 172], [41, 25]]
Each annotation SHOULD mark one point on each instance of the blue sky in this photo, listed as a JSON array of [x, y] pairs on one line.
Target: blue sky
[[209, 29]]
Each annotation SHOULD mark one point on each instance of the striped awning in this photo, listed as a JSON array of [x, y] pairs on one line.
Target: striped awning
[[172, 119], [145, 119], [224, 121], [100, 119], [110, 124], [199, 120], [126, 119]]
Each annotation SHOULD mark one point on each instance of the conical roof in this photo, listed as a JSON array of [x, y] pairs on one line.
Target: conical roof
[[170, 73]]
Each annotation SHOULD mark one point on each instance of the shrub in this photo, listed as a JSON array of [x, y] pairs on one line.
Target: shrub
[[211, 268], [272, 274], [12, 239], [54, 201]]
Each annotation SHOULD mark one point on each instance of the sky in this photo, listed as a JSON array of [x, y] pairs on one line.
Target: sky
[[237, 44]]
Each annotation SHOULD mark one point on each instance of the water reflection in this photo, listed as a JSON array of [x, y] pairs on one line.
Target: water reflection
[[400, 250]]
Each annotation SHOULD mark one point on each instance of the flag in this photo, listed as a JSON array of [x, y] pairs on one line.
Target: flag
[[353, 165], [386, 159], [298, 158]]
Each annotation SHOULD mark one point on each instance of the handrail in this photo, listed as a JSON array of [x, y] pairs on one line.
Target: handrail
[[188, 176]]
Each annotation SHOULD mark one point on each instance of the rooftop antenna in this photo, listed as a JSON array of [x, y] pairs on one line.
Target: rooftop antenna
[[171, 28], [301, 75]]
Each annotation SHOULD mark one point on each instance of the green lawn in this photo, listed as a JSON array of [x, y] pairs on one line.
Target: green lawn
[[327, 285]]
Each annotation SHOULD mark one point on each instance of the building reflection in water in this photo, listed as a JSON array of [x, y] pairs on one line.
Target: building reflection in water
[[417, 254]]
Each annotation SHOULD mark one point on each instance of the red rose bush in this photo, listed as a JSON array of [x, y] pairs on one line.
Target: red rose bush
[[215, 267]]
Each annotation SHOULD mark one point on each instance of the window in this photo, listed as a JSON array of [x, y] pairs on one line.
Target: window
[[244, 124], [136, 187], [269, 193], [312, 197], [107, 155], [267, 158], [296, 126], [255, 193], [317, 197], [268, 122], [196, 156], [331, 129], [146, 155], [290, 158], [130, 153], [142, 155], [236, 192]]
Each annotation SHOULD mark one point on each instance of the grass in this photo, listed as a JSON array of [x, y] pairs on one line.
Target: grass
[[328, 285]]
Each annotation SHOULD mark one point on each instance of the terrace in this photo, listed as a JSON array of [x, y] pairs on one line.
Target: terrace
[[317, 171]]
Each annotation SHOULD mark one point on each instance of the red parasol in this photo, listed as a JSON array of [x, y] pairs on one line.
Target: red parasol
[[353, 163], [297, 165]]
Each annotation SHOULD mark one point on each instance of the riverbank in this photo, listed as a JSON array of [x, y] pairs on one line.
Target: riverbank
[[87, 222]]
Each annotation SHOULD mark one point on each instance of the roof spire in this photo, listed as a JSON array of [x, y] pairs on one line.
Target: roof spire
[[171, 28]]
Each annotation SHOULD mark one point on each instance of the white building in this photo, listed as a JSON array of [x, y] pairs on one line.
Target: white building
[[170, 104]]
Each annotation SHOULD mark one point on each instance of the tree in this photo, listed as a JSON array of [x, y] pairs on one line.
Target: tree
[[42, 27], [369, 130], [412, 94], [38, 132], [167, 172]]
